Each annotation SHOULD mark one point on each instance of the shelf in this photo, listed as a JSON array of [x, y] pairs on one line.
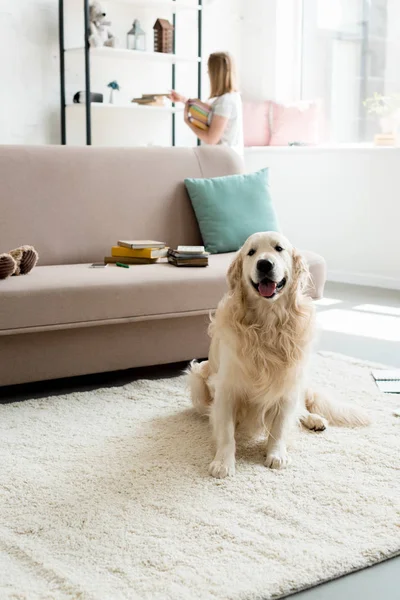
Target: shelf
[[102, 111], [177, 6], [135, 107], [121, 53]]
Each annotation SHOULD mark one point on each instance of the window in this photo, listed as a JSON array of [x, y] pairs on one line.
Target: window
[[350, 49]]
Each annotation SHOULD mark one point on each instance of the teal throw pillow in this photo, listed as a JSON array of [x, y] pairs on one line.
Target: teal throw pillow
[[230, 209]]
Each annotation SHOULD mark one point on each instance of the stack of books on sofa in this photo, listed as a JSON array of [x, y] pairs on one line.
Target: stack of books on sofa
[[188, 256], [137, 252]]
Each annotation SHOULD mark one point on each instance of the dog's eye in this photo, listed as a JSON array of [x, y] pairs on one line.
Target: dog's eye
[[251, 252], [278, 248]]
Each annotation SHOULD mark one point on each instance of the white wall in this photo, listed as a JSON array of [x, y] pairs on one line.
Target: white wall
[[257, 61], [288, 51], [392, 74], [343, 204], [29, 89], [270, 50], [30, 100]]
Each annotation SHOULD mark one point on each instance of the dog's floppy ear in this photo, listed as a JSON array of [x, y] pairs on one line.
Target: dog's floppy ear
[[234, 275], [301, 273]]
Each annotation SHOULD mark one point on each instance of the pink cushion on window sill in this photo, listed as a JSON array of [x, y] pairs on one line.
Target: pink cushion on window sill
[[256, 128], [295, 123]]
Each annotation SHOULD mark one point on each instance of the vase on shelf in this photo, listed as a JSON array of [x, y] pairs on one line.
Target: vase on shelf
[[390, 123], [113, 85]]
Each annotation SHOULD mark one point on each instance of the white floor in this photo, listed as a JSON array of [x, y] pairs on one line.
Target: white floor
[[365, 323], [361, 322]]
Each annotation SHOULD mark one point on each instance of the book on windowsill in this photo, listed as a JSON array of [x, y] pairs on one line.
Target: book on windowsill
[[385, 139], [141, 244], [129, 260]]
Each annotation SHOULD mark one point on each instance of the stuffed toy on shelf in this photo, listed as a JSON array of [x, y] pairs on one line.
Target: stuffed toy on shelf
[[18, 262], [100, 33]]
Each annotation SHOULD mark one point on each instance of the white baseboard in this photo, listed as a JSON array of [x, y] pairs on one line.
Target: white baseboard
[[372, 280]]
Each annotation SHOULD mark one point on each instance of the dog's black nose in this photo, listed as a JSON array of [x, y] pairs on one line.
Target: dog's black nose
[[104, 14], [265, 266]]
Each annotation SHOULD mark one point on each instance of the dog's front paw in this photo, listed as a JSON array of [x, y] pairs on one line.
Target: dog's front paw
[[222, 468], [276, 460]]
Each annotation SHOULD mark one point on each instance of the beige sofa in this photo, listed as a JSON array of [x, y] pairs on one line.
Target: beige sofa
[[73, 204]]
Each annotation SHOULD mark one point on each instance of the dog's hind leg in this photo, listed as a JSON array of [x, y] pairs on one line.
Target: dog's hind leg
[[308, 417], [336, 413], [313, 421]]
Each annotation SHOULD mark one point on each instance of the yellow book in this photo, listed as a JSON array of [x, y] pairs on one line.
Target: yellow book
[[199, 124], [142, 253], [129, 260]]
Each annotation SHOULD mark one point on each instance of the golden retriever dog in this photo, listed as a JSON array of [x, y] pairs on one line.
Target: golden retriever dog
[[261, 336]]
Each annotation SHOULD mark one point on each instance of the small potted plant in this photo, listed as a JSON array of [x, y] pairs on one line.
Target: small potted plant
[[387, 108], [113, 85]]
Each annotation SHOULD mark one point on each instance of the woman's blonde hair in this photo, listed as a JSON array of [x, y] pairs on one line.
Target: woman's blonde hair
[[222, 73]]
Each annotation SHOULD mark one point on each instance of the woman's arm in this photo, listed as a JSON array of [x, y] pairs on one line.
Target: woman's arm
[[213, 134]]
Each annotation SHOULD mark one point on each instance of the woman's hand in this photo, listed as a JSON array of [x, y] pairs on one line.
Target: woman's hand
[[175, 97]]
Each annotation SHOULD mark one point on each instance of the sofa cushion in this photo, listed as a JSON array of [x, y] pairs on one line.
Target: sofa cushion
[[75, 295], [295, 123], [230, 209], [66, 294], [256, 127]]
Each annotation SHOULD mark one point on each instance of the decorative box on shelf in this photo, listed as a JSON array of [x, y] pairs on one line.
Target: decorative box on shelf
[[163, 36]]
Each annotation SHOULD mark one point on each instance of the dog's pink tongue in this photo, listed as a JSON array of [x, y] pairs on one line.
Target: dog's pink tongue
[[267, 289]]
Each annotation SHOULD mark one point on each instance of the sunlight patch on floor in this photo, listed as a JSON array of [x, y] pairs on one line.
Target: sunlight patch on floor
[[376, 308], [378, 326], [327, 302]]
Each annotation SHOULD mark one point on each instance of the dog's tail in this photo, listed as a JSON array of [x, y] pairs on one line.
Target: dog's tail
[[197, 374], [337, 413]]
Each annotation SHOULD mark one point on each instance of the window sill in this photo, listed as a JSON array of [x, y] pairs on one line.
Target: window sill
[[320, 148]]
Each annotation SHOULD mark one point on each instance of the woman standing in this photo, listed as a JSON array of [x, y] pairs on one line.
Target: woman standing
[[225, 120]]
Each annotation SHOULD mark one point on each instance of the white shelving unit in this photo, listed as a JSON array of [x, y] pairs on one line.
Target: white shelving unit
[[122, 53], [100, 106], [175, 6], [111, 112]]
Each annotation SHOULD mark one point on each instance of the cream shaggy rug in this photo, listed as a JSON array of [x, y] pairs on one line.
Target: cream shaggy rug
[[105, 495]]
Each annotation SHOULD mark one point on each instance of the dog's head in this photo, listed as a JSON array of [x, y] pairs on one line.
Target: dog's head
[[267, 267]]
